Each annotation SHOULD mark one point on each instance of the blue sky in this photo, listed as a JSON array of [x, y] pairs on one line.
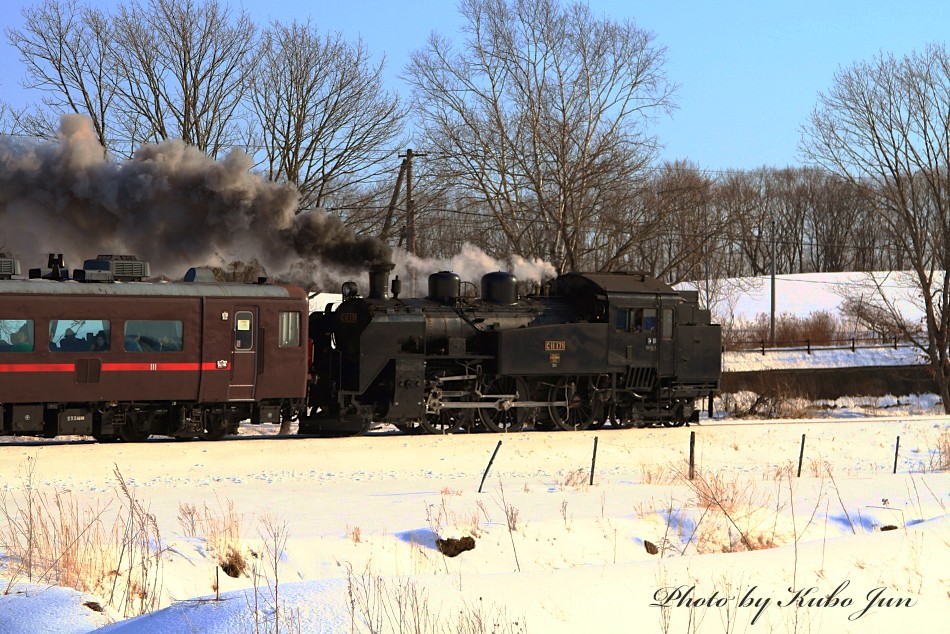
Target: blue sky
[[748, 72]]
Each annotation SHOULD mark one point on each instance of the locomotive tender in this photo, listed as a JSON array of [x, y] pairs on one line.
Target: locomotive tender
[[113, 356], [588, 349]]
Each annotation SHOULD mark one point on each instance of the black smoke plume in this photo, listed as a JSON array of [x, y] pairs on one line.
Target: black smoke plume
[[169, 204]]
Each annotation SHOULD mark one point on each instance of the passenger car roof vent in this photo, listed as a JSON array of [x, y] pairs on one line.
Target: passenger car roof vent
[[8, 268], [200, 274], [110, 268]]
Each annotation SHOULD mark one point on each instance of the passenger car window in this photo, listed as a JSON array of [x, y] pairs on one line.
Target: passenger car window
[[152, 335], [243, 330], [16, 335], [288, 330], [79, 335]]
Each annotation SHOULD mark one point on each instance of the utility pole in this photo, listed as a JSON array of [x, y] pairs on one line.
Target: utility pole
[[410, 209], [410, 217], [772, 315], [387, 225]]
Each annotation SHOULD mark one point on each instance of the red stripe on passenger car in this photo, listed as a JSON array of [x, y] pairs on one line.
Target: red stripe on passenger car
[[161, 367], [115, 367], [37, 367]]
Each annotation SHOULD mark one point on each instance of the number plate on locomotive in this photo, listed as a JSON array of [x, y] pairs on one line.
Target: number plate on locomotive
[[555, 346]]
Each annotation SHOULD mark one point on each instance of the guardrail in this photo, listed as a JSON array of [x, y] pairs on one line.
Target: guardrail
[[807, 345]]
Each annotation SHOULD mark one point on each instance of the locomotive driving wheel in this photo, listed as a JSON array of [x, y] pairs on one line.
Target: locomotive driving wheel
[[504, 418], [582, 405], [444, 422]]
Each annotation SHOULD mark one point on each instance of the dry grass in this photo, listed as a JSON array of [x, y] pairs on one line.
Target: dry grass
[[736, 515], [940, 460], [399, 604], [113, 552], [221, 529], [564, 516], [440, 517], [578, 480], [511, 519], [269, 612], [773, 402], [662, 475], [820, 328]]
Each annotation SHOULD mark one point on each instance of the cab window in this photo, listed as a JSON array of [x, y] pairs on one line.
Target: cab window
[[649, 320], [622, 318], [666, 327]]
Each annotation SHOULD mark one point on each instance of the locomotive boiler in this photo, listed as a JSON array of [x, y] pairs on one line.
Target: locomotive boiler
[[584, 350]]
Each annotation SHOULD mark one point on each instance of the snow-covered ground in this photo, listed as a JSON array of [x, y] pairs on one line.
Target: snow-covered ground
[[745, 546], [342, 535]]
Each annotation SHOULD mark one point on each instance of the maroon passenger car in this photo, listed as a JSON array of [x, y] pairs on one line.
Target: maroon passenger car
[[115, 358]]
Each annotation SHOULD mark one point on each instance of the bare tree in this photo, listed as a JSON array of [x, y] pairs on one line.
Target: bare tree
[[885, 126], [180, 72], [677, 200], [328, 125], [65, 48], [8, 118], [540, 116]]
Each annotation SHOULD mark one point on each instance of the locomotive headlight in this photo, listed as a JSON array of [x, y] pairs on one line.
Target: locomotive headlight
[[350, 290]]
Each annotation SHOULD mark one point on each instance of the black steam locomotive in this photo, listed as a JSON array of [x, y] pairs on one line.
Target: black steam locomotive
[[584, 350]]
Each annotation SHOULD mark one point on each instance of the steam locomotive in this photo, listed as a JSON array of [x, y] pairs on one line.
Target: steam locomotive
[[587, 349], [105, 353]]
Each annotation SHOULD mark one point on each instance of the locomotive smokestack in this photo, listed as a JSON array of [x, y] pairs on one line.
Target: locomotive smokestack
[[379, 280]]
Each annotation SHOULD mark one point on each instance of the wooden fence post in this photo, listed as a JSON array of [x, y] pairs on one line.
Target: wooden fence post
[[485, 475], [593, 462], [692, 454], [801, 456]]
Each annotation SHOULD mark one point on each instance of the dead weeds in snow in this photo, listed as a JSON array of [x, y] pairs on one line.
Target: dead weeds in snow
[[400, 604], [736, 514], [940, 457], [114, 551], [221, 529]]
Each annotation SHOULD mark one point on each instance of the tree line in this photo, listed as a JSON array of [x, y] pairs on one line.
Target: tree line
[[533, 133]]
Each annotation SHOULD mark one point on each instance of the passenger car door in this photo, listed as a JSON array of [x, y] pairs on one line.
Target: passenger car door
[[243, 354]]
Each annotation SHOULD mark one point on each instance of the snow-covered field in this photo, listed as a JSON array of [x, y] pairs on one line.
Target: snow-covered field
[[746, 546], [343, 535]]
